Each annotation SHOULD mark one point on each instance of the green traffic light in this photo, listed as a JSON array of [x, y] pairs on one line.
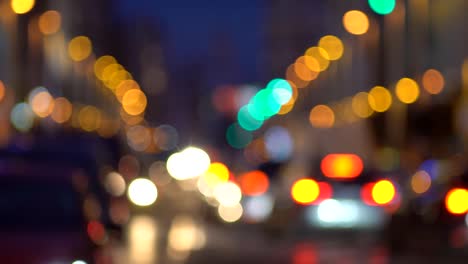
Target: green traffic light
[[382, 7]]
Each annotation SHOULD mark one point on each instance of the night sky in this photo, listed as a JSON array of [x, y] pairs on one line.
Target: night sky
[[189, 28]]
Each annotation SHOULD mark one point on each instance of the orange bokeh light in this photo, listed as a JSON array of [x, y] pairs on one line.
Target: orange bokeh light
[[456, 201], [342, 166], [254, 183], [305, 191]]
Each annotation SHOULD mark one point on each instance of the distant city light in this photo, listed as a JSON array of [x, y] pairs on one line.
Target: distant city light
[[333, 46], [134, 102], [278, 143], [380, 99], [382, 7], [2, 91], [22, 6], [456, 201], [258, 208], [360, 105], [115, 183], [42, 104], [254, 183], [142, 192], [89, 118], [322, 116], [101, 63], [237, 137], [433, 81], [22, 117], [356, 22], [62, 110], [230, 214], [50, 22], [305, 191], [317, 55], [227, 194], [407, 90], [217, 173], [190, 163], [79, 262], [79, 48], [421, 182], [166, 137]]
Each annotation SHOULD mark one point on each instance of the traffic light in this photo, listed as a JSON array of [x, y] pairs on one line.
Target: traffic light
[[382, 7]]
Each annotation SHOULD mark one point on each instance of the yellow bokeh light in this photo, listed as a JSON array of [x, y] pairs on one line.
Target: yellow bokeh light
[[305, 191], [317, 56], [79, 48], [134, 102], [116, 78], [109, 70], [379, 99], [322, 116], [333, 46], [50, 22], [125, 86], [355, 22], [383, 192], [360, 105], [62, 110], [407, 90], [142, 192], [89, 118], [230, 214], [42, 104], [22, 6], [456, 201], [433, 81], [216, 173], [420, 182], [101, 64]]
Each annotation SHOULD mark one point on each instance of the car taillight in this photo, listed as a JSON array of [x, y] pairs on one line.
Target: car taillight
[[380, 193], [456, 201]]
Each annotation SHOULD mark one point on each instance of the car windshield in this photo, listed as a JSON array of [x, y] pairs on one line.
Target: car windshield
[[39, 205]]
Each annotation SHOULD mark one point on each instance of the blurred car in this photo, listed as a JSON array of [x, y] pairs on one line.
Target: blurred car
[[79, 157], [43, 221]]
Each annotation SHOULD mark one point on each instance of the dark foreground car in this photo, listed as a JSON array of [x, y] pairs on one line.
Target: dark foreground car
[[42, 221]]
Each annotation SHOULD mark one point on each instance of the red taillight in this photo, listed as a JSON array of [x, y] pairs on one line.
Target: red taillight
[[382, 193]]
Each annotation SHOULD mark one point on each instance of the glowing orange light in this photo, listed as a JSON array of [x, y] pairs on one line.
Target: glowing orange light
[[2, 91], [383, 192], [343, 166], [254, 183], [305, 191], [456, 201], [433, 81]]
